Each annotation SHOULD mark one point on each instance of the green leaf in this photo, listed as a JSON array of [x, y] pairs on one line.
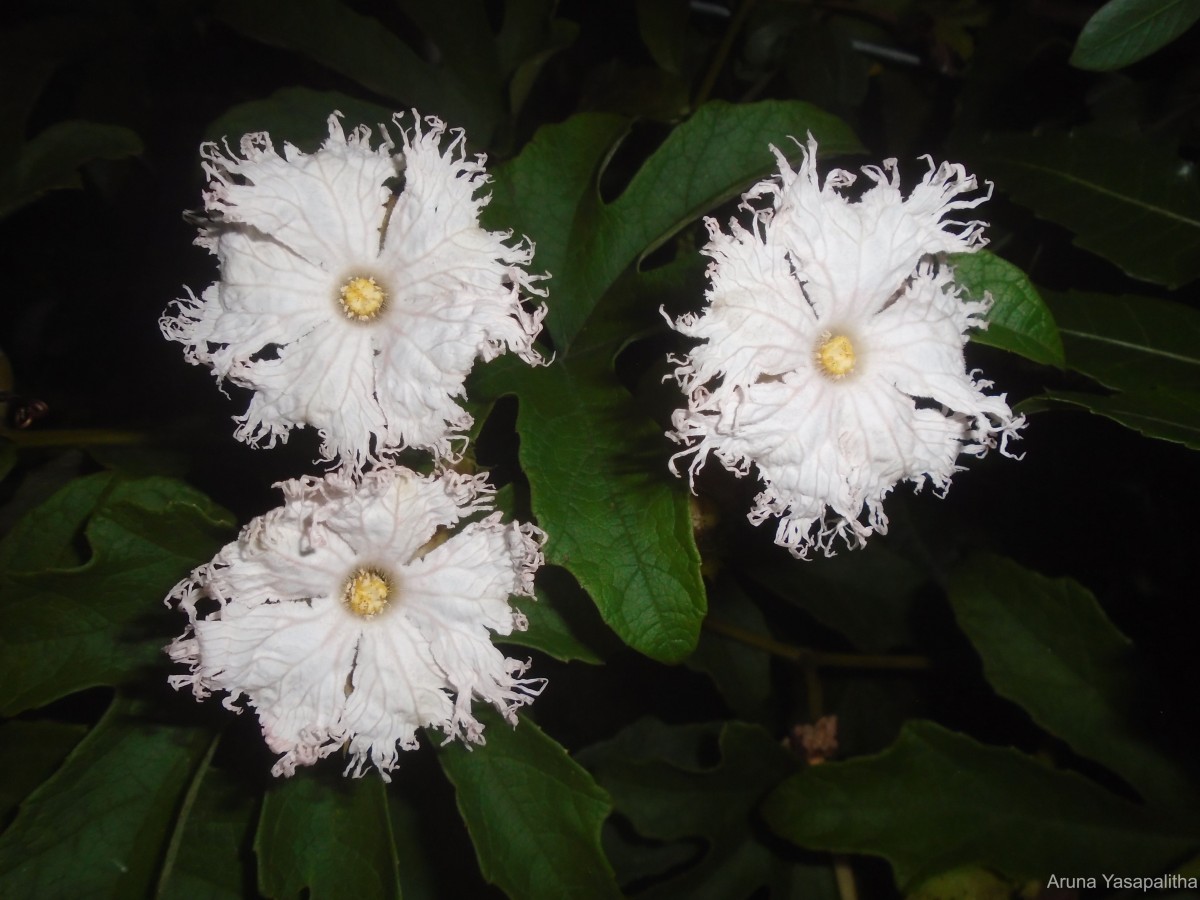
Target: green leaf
[[614, 518], [1047, 645], [209, 857], [1128, 342], [29, 752], [658, 782], [326, 837], [937, 800], [562, 620], [466, 47], [968, 882], [560, 608], [1123, 31], [529, 37], [99, 826], [740, 673], [1166, 415], [31, 49], [1133, 202], [868, 596], [361, 48], [1018, 321], [66, 623], [298, 115], [52, 159], [587, 243], [533, 814], [662, 25]]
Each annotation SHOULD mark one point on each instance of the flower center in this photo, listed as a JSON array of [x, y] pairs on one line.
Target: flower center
[[835, 355], [362, 298], [367, 593]]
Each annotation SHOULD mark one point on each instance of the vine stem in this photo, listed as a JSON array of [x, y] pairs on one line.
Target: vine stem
[[817, 659], [722, 54], [71, 437]]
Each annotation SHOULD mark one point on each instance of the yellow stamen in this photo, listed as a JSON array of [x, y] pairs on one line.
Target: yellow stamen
[[836, 355], [362, 298], [367, 593]]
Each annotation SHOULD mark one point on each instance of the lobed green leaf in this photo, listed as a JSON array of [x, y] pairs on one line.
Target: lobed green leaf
[[615, 518], [1047, 645], [298, 115], [361, 48], [52, 159], [98, 827], [209, 857], [659, 783], [533, 813], [741, 674], [561, 606], [1123, 31], [29, 753], [587, 243], [936, 800], [68, 623], [325, 837]]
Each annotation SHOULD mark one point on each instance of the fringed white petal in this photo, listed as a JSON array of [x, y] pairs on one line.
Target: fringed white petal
[[829, 447], [269, 620], [290, 231]]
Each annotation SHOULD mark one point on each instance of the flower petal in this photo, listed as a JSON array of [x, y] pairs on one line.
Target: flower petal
[[832, 435], [298, 236], [326, 207], [320, 670]]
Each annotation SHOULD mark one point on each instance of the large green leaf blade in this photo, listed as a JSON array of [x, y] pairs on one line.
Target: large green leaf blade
[[1123, 31], [1133, 202], [559, 606], [662, 781], [29, 753], [937, 800], [99, 826], [1166, 415], [1047, 645], [1129, 342], [325, 838], [362, 48], [587, 243], [1018, 320], [563, 221], [612, 513], [710, 158], [297, 115], [66, 626], [533, 813], [52, 159], [210, 856]]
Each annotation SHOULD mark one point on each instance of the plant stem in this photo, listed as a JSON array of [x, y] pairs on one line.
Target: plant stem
[[817, 659], [722, 54]]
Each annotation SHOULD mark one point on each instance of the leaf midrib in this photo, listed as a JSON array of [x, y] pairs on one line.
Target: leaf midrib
[[1100, 189]]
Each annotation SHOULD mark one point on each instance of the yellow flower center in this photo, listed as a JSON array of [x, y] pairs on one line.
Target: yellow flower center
[[836, 355], [367, 593], [362, 298]]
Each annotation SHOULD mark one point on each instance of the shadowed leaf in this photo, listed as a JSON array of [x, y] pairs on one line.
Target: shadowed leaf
[[534, 815]]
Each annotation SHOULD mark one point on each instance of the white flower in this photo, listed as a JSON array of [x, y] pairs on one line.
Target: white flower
[[343, 311], [832, 349], [341, 617]]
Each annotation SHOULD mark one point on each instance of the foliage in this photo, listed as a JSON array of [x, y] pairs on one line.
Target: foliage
[[1010, 668]]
